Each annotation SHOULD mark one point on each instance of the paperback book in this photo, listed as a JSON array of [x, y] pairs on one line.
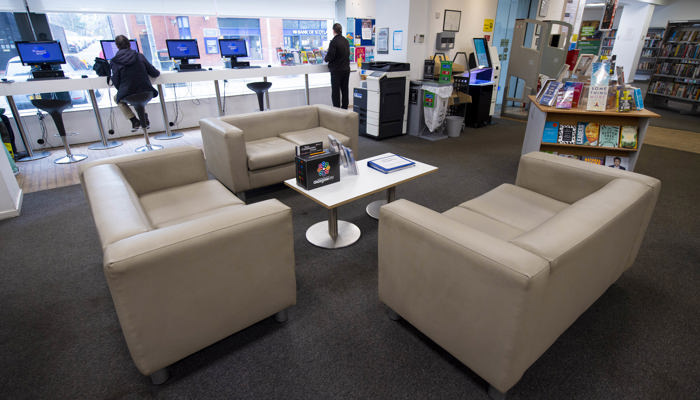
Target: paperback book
[[590, 133], [628, 137], [549, 95], [597, 98], [593, 160], [551, 132], [625, 100], [609, 136], [617, 162], [567, 134]]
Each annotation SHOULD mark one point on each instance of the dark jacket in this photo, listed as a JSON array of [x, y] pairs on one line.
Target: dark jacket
[[338, 56], [130, 72]]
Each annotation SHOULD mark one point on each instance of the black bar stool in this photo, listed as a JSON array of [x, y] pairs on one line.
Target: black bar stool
[[54, 104], [260, 88], [139, 101]]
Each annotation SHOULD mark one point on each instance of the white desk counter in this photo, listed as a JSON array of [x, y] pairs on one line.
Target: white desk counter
[[93, 83]]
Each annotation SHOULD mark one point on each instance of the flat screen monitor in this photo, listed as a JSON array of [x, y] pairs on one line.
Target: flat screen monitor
[[233, 47], [42, 53], [109, 48], [182, 49], [481, 50]]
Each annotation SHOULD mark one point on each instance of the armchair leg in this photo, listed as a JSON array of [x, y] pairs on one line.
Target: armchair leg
[[392, 314], [495, 394], [159, 377], [281, 316]]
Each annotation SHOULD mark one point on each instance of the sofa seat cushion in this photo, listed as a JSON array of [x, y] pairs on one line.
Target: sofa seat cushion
[[318, 134], [183, 203], [512, 205], [269, 152], [483, 223]]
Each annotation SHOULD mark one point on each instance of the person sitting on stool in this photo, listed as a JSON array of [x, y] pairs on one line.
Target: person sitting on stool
[[338, 59], [130, 75]]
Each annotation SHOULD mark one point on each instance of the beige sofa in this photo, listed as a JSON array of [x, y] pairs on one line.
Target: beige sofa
[[249, 151], [495, 280], [187, 263]]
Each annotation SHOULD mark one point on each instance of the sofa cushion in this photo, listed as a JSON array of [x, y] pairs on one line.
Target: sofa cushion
[[269, 152], [512, 205], [183, 203], [483, 223], [318, 134]]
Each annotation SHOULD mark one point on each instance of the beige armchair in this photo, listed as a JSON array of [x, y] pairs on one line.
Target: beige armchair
[[497, 279], [249, 151], [187, 263]]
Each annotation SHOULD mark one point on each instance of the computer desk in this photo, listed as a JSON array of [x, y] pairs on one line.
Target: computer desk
[[93, 83]]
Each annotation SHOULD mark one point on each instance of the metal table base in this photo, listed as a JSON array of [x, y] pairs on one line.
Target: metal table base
[[333, 234]]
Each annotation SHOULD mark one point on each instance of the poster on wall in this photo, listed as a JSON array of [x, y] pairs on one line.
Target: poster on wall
[[383, 41], [398, 40], [364, 36], [606, 22]]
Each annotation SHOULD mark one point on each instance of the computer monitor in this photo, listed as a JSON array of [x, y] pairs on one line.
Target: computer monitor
[[481, 49], [233, 48], [45, 54], [109, 48], [182, 49]]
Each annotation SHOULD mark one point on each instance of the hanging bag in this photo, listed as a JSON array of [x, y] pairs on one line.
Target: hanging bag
[[101, 67]]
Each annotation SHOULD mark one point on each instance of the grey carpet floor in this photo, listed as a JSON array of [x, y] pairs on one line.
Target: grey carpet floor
[[60, 338]]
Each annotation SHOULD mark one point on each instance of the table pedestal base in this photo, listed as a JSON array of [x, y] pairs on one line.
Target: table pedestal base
[[373, 207], [347, 234]]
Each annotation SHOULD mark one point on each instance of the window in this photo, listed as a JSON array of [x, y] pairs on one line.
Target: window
[[183, 25], [304, 34], [246, 28]]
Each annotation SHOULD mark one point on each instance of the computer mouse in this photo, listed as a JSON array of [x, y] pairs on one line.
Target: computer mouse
[[83, 76], [209, 68], [4, 79]]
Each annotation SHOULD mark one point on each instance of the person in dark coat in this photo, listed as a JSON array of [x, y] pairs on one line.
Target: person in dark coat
[[130, 75], [338, 59]]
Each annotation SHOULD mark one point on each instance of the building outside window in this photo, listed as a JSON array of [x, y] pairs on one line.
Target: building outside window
[[246, 28], [302, 34]]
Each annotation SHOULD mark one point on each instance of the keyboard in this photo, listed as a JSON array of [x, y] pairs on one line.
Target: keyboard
[[50, 78]]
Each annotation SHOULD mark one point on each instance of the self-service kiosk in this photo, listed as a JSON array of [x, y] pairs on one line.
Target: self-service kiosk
[[382, 99]]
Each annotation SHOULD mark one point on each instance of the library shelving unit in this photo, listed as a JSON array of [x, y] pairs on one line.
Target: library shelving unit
[[676, 75], [540, 114], [647, 59], [607, 42]]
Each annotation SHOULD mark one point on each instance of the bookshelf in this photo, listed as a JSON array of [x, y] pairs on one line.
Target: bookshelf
[[676, 74], [607, 42], [539, 115], [647, 58]]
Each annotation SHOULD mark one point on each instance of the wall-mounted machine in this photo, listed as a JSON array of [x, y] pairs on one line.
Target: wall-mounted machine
[[445, 41], [382, 99]]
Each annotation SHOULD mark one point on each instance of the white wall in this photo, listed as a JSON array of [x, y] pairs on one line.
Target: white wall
[[393, 14], [678, 10], [629, 40], [472, 24], [359, 8]]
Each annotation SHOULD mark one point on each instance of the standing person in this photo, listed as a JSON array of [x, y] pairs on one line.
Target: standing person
[[338, 59], [130, 75]]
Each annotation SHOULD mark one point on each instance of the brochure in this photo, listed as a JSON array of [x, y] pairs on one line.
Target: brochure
[[390, 163]]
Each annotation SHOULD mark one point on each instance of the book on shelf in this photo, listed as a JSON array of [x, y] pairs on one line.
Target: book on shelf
[[390, 163], [597, 98], [568, 156], [549, 95], [638, 98], [617, 162], [628, 137], [609, 136], [590, 133], [624, 99], [551, 132], [593, 159], [567, 134]]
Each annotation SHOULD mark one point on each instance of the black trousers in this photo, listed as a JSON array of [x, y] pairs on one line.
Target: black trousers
[[339, 85]]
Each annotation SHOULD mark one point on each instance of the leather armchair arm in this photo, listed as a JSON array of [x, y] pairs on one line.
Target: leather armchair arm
[[346, 122], [204, 279], [225, 151]]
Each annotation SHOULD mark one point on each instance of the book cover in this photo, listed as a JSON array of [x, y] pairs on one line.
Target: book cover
[[638, 99], [551, 132], [581, 132], [628, 137], [565, 97], [567, 134], [569, 156], [591, 132], [617, 162], [624, 100], [578, 88], [304, 57], [592, 160], [359, 54], [609, 136], [550, 93], [597, 98]]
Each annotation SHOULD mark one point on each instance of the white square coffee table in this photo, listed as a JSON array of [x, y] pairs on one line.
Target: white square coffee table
[[334, 234]]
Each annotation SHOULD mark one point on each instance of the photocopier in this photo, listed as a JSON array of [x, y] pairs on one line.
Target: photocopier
[[382, 99]]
